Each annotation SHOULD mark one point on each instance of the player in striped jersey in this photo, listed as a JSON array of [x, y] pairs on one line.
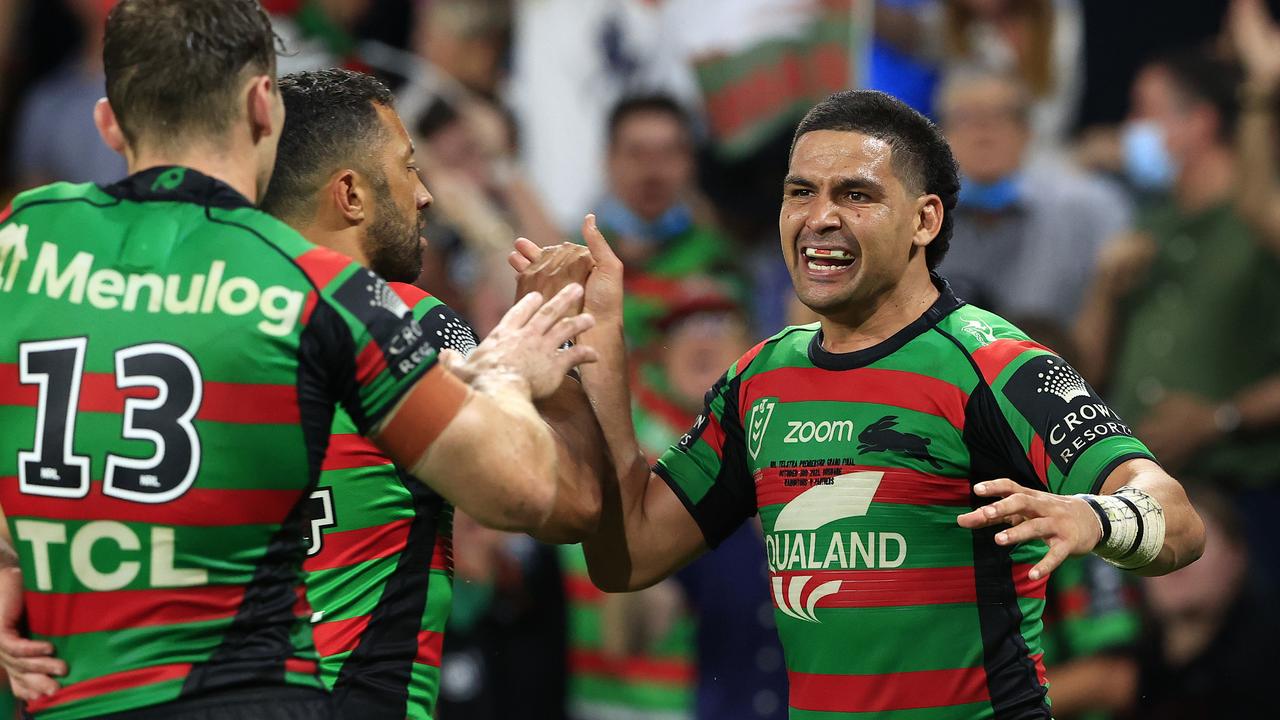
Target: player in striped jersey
[[913, 459], [380, 544], [168, 375]]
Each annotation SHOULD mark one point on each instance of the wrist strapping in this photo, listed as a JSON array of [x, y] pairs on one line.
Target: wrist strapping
[[1132, 527]]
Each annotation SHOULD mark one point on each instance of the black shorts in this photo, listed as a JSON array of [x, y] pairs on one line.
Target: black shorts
[[276, 703]]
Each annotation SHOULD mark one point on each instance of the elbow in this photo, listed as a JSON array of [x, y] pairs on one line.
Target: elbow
[[525, 504], [611, 580]]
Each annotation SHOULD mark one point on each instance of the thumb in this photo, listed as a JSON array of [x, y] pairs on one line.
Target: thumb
[[451, 360], [601, 253]]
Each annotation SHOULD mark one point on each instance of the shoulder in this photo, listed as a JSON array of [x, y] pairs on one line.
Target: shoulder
[[445, 328], [782, 348], [56, 193], [991, 343]]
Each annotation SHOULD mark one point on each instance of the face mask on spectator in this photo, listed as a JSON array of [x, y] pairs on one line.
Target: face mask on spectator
[[1146, 157], [617, 217], [993, 197]]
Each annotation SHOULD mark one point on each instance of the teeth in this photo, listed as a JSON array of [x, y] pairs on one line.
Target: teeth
[[815, 266], [824, 253]]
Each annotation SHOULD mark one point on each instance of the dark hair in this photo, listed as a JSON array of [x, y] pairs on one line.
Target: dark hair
[[174, 67], [330, 120], [1204, 78], [640, 104], [921, 156]]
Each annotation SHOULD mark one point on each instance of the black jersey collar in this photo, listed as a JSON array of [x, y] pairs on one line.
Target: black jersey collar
[[177, 184], [940, 308]]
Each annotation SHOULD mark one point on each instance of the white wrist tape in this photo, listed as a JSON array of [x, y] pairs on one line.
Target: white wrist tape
[[1132, 527]]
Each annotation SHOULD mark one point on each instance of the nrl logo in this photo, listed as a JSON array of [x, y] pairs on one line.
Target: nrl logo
[[980, 331], [758, 422]]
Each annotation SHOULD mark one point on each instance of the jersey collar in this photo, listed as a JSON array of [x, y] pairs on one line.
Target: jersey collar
[[941, 307], [174, 183]]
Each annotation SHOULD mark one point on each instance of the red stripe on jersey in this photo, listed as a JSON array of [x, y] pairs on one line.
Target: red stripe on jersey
[[6, 212], [222, 402], [897, 388], [1025, 586], [338, 636], [63, 614], [1041, 675], [322, 265], [750, 355], [580, 589], [348, 547], [1071, 602], [887, 692], [347, 451], [1039, 459], [633, 669], [658, 406], [898, 486], [714, 435], [879, 588], [410, 294], [370, 363], [197, 507], [430, 648], [300, 665], [309, 306], [992, 359], [442, 553], [114, 682]]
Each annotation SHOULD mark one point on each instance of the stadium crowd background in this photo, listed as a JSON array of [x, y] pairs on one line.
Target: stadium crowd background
[[1121, 203]]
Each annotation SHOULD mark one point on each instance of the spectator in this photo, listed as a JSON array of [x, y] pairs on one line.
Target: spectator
[[1216, 630], [55, 138], [1026, 232], [1257, 41], [482, 203], [897, 64], [1176, 310], [630, 655], [467, 40], [318, 33], [1039, 41], [1183, 313], [650, 215]]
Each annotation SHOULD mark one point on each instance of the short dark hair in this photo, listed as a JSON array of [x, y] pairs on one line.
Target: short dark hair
[[173, 67], [640, 104], [331, 119], [921, 156], [1205, 78]]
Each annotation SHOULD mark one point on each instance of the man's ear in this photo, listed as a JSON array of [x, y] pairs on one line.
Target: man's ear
[[348, 197], [928, 220], [104, 118], [261, 106]]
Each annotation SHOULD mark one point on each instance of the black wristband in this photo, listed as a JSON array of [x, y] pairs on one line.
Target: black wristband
[[1137, 539], [1102, 516]]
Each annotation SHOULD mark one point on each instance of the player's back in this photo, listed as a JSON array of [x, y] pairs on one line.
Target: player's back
[[157, 430]]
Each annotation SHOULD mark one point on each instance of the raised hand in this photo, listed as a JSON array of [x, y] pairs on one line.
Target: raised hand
[[1066, 523], [553, 268], [526, 346], [604, 287]]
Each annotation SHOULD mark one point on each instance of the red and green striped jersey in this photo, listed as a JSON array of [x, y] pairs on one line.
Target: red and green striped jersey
[[654, 684], [858, 465], [169, 365], [380, 561]]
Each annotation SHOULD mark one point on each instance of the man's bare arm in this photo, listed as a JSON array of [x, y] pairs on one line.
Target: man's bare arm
[[645, 532], [1071, 526]]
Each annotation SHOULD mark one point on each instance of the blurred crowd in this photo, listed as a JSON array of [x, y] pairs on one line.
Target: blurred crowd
[[1120, 203]]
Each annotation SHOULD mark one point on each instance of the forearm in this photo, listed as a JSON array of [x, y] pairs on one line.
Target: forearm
[[1183, 529], [1106, 683], [1093, 331], [1259, 184], [1259, 405], [615, 554], [496, 459], [582, 463]]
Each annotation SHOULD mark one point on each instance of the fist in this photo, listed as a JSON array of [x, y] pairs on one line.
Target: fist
[[557, 267]]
